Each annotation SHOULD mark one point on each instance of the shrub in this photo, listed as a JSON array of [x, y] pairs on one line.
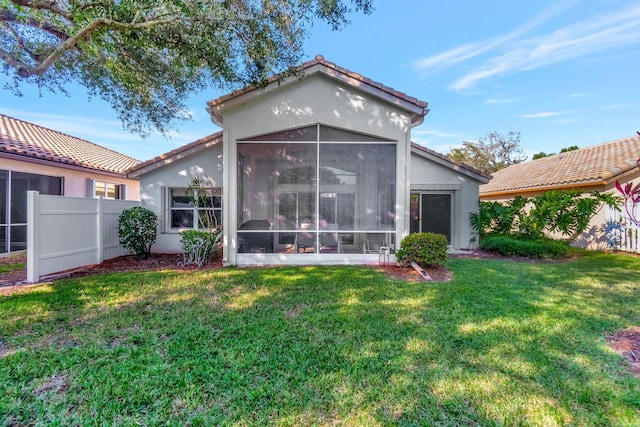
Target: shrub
[[425, 249], [560, 211], [198, 245], [531, 248], [137, 230]]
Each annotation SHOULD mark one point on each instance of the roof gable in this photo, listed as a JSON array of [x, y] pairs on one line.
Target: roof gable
[[443, 160], [591, 166], [320, 65], [21, 139], [176, 154]]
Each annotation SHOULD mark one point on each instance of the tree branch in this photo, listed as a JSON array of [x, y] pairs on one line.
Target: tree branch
[[25, 70], [13, 62], [8, 16], [49, 5]]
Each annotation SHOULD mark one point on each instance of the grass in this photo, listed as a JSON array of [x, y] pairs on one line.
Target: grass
[[11, 267], [504, 343]]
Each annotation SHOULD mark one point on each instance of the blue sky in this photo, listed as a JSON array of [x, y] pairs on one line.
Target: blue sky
[[561, 72]]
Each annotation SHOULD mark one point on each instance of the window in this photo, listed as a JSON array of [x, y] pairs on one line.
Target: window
[[182, 210], [108, 190], [13, 205]]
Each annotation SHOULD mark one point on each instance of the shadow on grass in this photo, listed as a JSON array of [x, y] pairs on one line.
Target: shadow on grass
[[503, 343]]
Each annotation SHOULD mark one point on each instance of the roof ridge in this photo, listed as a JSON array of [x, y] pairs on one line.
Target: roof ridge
[[320, 60], [594, 165], [64, 134]]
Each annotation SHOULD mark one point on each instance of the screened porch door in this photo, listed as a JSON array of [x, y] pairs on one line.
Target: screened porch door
[[431, 213]]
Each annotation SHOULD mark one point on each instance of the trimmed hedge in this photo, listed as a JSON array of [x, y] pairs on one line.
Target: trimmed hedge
[[530, 248], [425, 249], [137, 228]]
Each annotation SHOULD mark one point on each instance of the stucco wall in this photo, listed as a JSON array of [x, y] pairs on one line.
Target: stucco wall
[[428, 176], [315, 99], [594, 238], [75, 181], [177, 173]]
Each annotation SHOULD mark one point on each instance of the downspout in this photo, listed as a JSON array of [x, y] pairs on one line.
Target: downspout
[[217, 119], [416, 120]]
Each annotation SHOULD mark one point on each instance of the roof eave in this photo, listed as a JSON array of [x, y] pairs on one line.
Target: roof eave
[[174, 155], [53, 163], [564, 186], [478, 176], [418, 109]]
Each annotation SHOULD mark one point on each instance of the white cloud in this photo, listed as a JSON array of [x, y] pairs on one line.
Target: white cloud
[[542, 114], [435, 63], [515, 52], [613, 107], [615, 30], [493, 101]]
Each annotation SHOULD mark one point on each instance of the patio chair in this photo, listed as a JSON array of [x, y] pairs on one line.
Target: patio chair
[[330, 242], [372, 246]]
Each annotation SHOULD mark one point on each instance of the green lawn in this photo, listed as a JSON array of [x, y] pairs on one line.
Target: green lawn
[[11, 267], [504, 343]]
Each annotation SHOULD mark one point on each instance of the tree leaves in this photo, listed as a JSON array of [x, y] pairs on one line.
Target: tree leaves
[[631, 195], [567, 212], [491, 153], [145, 57]]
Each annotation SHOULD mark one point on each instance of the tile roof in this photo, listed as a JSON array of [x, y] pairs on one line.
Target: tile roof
[[21, 138], [590, 166], [336, 71]]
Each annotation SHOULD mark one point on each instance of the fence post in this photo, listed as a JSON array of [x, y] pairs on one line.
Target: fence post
[[99, 227], [33, 229]]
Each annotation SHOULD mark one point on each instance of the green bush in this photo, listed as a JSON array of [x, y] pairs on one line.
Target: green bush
[[198, 245], [137, 230], [425, 249], [530, 248], [560, 211]]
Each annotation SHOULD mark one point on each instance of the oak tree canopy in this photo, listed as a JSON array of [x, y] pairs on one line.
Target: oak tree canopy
[[490, 153], [145, 57]]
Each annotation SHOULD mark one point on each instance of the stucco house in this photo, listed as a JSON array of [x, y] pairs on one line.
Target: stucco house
[[314, 169], [36, 158], [589, 169]]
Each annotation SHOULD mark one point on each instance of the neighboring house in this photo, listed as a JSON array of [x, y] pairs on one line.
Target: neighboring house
[[589, 169], [318, 169], [36, 158]]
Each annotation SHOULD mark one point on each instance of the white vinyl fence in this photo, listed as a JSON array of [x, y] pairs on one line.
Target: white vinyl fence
[[70, 232], [622, 233]]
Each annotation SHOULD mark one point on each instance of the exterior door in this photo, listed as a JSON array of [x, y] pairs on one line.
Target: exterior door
[[431, 213]]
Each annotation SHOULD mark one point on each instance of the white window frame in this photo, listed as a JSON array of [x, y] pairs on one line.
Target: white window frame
[[169, 209], [120, 190]]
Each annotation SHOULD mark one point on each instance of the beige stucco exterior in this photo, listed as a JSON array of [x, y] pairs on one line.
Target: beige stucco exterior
[[177, 173], [75, 179], [315, 99], [430, 176], [329, 99], [595, 237]]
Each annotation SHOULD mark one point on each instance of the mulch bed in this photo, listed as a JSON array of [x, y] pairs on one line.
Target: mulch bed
[[627, 343], [13, 281]]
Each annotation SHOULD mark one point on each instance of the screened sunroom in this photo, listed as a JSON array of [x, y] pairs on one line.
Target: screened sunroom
[[315, 190], [317, 168]]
